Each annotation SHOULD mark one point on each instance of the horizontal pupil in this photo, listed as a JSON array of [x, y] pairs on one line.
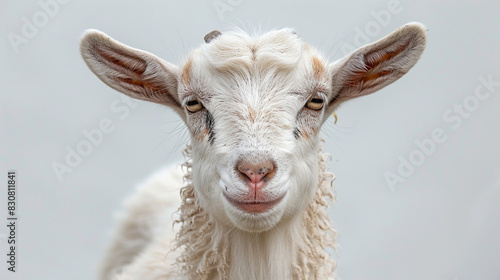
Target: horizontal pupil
[[192, 102], [316, 100]]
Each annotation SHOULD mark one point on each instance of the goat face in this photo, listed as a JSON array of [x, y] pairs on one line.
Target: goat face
[[254, 107]]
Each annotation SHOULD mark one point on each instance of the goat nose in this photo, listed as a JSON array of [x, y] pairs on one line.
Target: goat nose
[[255, 173]]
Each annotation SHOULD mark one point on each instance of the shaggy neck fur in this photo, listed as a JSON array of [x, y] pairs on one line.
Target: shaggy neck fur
[[292, 250]]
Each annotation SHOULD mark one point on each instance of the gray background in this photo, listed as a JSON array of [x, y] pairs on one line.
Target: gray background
[[441, 223]]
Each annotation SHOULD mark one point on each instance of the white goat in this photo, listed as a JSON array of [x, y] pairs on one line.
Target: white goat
[[255, 189]]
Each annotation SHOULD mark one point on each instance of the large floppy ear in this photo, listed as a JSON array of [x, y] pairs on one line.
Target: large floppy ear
[[133, 72], [377, 65]]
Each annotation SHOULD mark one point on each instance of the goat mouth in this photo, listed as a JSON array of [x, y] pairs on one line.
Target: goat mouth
[[254, 206]]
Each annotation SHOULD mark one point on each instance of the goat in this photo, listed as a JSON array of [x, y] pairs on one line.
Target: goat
[[254, 191]]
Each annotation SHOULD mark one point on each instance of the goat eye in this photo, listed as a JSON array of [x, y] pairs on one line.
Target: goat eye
[[315, 103], [193, 106]]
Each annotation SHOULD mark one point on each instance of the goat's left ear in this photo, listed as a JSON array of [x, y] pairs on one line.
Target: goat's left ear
[[377, 65]]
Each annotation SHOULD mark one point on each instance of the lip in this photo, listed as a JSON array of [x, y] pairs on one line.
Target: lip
[[254, 206]]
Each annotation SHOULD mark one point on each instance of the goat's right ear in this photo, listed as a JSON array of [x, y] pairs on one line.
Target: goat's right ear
[[136, 73]]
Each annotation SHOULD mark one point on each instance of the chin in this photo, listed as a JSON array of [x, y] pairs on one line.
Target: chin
[[247, 220]]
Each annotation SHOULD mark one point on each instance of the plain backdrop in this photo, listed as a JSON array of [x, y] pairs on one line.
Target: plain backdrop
[[440, 221]]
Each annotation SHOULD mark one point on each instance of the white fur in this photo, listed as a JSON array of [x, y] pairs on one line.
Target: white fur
[[254, 92]]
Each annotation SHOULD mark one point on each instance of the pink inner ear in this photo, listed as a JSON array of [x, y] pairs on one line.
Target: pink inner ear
[[122, 62], [132, 69], [132, 82], [372, 60]]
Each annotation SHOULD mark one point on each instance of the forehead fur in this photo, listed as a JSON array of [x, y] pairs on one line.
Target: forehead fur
[[235, 53], [278, 48]]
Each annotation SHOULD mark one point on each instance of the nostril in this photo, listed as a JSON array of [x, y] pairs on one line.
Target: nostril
[[255, 172]]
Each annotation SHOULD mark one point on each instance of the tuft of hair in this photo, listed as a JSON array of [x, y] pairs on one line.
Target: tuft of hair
[[238, 51]]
